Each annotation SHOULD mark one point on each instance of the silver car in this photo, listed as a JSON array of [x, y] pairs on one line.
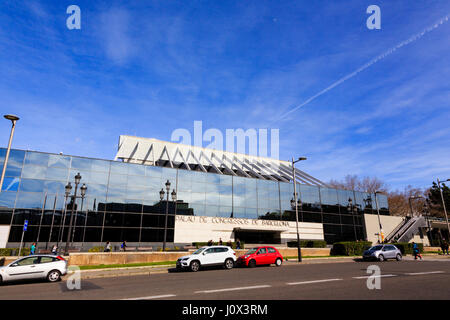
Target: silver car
[[382, 252], [50, 267]]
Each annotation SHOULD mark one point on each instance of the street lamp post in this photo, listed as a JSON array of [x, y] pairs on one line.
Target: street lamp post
[[161, 196], [83, 190], [443, 204], [13, 120], [62, 223], [74, 198], [299, 250], [379, 219]]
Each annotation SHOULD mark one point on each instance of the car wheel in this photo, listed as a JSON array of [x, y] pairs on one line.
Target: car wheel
[[381, 258], [398, 257], [194, 266], [229, 264], [278, 262], [54, 276], [252, 263]]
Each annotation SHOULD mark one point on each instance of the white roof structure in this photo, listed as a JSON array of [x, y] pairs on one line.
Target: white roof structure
[[154, 152]]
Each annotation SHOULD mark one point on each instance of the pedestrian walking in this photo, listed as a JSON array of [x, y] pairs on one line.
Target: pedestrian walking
[[33, 248], [220, 242], [55, 249], [445, 247], [238, 244], [108, 247], [416, 251], [124, 246]]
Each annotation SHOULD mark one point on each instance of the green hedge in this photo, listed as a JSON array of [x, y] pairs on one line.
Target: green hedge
[[350, 248], [97, 249], [308, 244], [204, 244], [407, 248], [14, 251]]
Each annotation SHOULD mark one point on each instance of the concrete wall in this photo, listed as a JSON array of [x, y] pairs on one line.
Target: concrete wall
[[4, 234], [97, 258], [190, 229]]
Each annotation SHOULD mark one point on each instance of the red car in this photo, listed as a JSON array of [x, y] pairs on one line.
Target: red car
[[260, 256]]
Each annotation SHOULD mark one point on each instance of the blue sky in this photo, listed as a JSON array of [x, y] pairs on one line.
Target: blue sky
[[146, 68]]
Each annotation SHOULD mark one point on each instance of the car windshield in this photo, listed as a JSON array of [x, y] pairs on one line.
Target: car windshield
[[376, 248], [251, 251], [198, 251]]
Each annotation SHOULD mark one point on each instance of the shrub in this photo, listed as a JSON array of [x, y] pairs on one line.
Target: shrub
[[14, 251], [97, 249], [308, 244], [350, 248], [407, 248], [204, 244]]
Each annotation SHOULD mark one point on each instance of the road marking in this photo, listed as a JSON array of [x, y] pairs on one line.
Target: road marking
[[151, 297], [380, 276], [419, 273], [233, 289], [312, 281]]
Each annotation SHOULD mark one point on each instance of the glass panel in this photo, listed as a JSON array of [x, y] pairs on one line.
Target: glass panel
[[7, 199], [100, 165], [58, 161], [81, 164], [118, 180], [99, 177], [57, 174], [29, 200], [36, 158], [34, 172], [32, 185], [15, 163], [152, 171], [10, 184], [136, 169]]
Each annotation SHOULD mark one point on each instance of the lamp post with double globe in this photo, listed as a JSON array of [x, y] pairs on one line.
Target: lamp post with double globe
[[174, 198]]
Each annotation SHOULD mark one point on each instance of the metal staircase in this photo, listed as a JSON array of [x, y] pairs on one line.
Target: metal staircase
[[407, 229]]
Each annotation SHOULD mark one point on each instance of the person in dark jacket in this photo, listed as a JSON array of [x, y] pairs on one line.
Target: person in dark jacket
[[445, 247]]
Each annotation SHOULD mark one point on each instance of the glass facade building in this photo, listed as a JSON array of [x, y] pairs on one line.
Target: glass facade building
[[123, 203]]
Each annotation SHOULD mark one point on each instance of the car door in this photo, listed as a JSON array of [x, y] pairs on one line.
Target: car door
[[261, 256], [221, 255], [26, 268], [45, 265], [387, 253], [208, 256], [392, 252], [271, 255]]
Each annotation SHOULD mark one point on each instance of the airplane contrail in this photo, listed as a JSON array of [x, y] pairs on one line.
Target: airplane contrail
[[368, 64]]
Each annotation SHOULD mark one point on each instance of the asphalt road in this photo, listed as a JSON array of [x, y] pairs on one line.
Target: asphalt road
[[404, 280]]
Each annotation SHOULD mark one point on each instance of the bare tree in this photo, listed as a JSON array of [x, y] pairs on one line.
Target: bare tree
[[398, 200], [366, 184]]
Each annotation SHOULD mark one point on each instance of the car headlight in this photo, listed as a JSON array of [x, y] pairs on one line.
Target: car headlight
[[184, 259]]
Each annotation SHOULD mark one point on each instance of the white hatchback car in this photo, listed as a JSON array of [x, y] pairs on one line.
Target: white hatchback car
[[208, 256], [39, 266]]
